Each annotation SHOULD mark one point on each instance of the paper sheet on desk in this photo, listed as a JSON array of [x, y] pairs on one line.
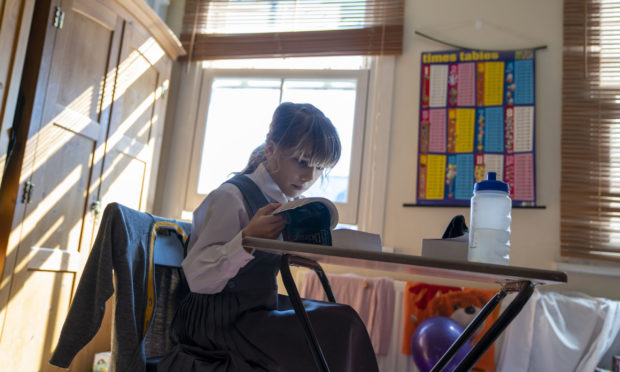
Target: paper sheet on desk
[[450, 248], [355, 239]]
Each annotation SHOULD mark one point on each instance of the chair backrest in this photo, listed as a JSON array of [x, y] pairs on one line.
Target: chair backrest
[[136, 256], [168, 248]]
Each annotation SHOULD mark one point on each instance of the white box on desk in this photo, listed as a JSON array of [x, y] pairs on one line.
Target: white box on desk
[[446, 249]]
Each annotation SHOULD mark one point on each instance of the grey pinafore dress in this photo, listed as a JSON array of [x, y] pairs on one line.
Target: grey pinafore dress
[[249, 327]]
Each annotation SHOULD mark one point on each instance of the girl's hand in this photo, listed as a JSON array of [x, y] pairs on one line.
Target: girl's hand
[[264, 224]]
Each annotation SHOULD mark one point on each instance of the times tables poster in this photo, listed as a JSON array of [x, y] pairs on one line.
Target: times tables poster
[[476, 116]]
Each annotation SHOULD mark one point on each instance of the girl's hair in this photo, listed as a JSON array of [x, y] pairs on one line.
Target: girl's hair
[[299, 128]]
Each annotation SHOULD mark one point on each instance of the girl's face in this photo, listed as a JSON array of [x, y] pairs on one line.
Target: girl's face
[[291, 174]]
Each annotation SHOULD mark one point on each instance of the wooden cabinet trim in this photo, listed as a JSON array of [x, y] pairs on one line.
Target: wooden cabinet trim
[[141, 12], [15, 21]]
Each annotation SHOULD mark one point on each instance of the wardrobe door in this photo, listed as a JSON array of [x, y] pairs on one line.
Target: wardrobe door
[[134, 139], [53, 223], [15, 19]]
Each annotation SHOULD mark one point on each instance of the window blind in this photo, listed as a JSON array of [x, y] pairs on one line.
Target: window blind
[[590, 187], [226, 29]]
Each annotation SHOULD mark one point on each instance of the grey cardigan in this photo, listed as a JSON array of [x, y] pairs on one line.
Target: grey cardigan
[[121, 246]]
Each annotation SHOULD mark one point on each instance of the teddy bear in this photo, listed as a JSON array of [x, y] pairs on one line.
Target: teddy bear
[[460, 306]]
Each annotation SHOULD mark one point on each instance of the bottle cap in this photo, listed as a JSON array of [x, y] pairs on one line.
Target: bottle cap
[[491, 184]]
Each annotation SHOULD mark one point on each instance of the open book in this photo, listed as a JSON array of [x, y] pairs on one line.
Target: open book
[[312, 220]]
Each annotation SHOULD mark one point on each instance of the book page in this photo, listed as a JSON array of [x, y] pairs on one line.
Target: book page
[[523, 128], [524, 176], [438, 85], [493, 83], [465, 119], [524, 82], [437, 133], [494, 134], [466, 86], [435, 176]]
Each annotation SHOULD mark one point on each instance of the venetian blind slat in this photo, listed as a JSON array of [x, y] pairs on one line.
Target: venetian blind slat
[[590, 187], [223, 29]]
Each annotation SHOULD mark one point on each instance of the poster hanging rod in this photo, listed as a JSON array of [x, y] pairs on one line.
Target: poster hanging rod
[[468, 48]]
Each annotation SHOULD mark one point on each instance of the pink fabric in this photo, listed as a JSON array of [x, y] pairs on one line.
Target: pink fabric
[[372, 298]]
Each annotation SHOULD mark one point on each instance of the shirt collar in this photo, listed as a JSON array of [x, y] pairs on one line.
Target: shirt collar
[[267, 185]]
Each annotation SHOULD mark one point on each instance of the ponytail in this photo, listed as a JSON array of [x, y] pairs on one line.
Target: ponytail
[[256, 158]]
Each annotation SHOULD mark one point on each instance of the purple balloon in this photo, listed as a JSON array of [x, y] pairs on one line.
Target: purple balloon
[[431, 340]]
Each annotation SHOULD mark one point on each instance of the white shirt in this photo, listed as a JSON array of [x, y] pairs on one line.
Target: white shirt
[[215, 253]]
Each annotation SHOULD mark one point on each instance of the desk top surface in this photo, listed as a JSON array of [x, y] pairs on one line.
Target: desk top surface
[[417, 265]]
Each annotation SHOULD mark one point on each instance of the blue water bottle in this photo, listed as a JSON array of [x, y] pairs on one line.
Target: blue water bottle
[[489, 233]]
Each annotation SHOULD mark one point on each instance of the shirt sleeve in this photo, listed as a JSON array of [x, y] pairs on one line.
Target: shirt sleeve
[[215, 253]]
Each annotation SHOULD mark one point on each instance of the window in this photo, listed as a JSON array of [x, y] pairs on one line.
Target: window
[[332, 48], [235, 111], [590, 191]]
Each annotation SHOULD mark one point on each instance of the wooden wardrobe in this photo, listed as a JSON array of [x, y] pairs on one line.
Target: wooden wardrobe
[[94, 87]]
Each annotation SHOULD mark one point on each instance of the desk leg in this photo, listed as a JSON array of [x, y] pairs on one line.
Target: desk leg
[[298, 305], [525, 288], [311, 264]]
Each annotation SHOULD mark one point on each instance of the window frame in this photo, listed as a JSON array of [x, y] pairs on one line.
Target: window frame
[[349, 211]]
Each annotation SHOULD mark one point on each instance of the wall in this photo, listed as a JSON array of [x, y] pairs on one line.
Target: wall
[[483, 24]]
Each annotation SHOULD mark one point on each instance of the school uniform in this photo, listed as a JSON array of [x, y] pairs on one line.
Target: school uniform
[[234, 320]]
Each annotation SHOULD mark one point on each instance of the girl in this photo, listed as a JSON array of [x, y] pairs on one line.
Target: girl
[[233, 319]]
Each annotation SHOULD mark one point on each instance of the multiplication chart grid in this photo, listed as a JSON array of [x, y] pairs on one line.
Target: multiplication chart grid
[[477, 115]]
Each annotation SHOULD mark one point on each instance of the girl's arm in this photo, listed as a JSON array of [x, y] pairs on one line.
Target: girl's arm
[[215, 253]]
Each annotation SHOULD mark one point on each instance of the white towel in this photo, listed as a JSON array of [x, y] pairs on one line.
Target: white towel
[[560, 332]]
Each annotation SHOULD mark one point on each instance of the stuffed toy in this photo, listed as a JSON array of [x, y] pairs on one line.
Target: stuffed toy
[[423, 301], [461, 306]]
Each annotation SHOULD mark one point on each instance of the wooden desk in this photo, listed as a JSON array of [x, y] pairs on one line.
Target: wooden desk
[[509, 278]]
